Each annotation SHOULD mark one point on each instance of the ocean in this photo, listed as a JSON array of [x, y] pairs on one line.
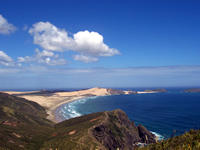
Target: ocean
[[165, 114]]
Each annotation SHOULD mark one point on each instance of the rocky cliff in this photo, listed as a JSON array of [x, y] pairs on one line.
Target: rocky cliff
[[104, 131], [116, 131]]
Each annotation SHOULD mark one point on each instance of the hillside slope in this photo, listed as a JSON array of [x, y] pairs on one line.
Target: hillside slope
[[23, 124], [105, 130]]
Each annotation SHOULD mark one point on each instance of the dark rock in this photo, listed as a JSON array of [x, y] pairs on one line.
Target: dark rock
[[117, 131], [145, 135]]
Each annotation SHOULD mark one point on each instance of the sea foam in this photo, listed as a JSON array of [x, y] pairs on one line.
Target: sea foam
[[69, 110], [160, 137]]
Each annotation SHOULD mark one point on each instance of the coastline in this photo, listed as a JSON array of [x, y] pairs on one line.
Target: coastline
[[51, 101], [56, 118], [52, 111], [55, 112]]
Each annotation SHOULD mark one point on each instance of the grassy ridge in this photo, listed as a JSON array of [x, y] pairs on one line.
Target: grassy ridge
[[23, 124], [73, 134]]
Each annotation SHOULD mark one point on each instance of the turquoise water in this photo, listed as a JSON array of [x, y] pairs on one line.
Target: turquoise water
[[166, 114]]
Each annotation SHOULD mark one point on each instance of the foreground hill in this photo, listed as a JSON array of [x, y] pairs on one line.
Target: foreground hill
[[23, 124], [105, 130]]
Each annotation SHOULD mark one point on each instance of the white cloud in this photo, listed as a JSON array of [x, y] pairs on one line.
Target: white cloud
[[5, 27], [24, 59], [88, 44], [5, 59], [50, 37], [85, 59], [92, 43], [43, 57], [44, 53]]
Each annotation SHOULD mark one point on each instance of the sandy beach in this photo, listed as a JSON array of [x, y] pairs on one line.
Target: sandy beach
[[51, 101]]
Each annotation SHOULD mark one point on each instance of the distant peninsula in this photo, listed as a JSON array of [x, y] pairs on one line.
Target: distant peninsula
[[193, 90], [152, 91]]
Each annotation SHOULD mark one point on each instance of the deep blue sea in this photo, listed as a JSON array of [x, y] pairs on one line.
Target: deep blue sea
[[167, 114]]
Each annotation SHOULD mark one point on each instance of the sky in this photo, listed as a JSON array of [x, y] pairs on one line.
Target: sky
[[107, 43]]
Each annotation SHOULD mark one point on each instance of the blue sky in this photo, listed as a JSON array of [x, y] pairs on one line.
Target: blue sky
[[63, 44]]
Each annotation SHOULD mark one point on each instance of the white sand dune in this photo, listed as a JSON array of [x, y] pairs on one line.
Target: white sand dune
[[92, 91], [56, 99]]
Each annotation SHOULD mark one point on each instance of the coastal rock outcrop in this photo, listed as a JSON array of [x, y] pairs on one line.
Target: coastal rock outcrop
[[108, 130], [118, 132], [146, 136]]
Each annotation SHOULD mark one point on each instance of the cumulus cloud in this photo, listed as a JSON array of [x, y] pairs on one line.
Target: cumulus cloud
[[43, 57], [85, 59], [5, 27], [5, 59], [24, 59], [90, 45], [50, 37]]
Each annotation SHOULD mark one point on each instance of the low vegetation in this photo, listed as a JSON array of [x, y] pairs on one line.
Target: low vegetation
[[188, 141], [23, 124]]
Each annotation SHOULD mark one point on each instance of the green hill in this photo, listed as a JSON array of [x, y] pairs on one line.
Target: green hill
[[105, 130], [23, 124]]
